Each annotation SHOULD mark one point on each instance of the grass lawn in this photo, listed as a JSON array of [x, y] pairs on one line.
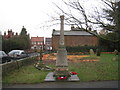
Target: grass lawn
[[26, 74], [104, 69]]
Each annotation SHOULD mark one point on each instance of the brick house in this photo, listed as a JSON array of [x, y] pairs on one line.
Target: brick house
[[9, 34], [37, 42], [74, 37]]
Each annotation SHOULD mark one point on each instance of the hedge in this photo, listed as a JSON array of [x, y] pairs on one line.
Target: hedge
[[83, 49]]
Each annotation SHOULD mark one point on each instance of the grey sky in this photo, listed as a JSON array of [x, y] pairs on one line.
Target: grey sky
[[31, 14]]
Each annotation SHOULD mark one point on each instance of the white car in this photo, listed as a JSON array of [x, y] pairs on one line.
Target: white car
[[17, 54]]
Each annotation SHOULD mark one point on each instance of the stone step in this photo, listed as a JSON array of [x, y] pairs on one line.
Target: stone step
[[50, 77]]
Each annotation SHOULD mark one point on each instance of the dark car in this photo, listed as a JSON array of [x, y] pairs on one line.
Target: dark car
[[4, 57]]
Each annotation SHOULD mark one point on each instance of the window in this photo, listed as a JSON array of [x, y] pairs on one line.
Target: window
[[23, 53], [34, 42], [48, 43], [41, 42], [38, 42]]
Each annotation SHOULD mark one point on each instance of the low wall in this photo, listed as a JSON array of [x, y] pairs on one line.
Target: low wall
[[8, 67]]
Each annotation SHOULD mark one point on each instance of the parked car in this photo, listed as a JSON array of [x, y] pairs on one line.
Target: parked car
[[4, 57], [18, 54]]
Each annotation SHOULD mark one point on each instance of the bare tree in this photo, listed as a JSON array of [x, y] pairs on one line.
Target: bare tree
[[76, 14]]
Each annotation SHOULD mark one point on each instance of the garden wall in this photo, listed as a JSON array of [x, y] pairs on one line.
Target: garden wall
[[8, 67]]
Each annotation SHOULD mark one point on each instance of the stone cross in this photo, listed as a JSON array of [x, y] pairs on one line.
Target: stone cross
[[61, 53]]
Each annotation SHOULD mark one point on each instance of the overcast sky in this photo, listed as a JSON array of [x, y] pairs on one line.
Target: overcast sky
[[31, 14]]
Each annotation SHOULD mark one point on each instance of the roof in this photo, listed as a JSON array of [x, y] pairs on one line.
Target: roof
[[71, 32], [37, 38], [48, 39]]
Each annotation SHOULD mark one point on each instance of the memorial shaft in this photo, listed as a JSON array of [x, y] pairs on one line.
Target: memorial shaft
[[61, 42], [61, 53]]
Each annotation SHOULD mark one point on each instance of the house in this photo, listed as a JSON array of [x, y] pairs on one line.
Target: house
[[48, 44], [37, 43], [74, 37], [10, 34]]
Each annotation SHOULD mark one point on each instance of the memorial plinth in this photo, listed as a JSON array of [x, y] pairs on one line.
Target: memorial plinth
[[61, 72], [50, 78]]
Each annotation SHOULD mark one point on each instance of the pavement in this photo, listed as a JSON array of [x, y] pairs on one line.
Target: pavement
[[96, 84]]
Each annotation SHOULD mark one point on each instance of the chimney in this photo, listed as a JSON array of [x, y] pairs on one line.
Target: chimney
[[12, 33], [72, 27], [16, 34], [4, 33]]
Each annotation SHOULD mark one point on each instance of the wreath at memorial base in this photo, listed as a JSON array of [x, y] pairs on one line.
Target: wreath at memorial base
[[61, 74]]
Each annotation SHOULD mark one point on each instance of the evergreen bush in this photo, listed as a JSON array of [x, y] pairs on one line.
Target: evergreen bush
[[82, 49]]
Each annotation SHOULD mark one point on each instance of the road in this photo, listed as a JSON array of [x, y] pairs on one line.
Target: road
[[29, 55], [97, 84]]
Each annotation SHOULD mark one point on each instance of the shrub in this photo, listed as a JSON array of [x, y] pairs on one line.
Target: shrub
[[82, 49]]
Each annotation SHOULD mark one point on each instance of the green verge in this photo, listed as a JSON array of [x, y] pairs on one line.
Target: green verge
[[104, 69], [26, 74]]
